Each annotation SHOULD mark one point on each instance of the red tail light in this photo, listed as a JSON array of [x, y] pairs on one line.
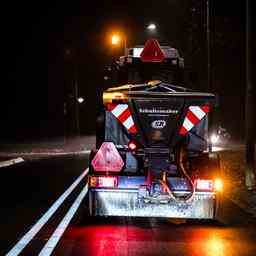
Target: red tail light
[[132, 145], [107, 159], [103, 181], [204, 185]]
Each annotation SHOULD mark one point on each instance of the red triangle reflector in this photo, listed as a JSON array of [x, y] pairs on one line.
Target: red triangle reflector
[[152, 52], [107, 159]]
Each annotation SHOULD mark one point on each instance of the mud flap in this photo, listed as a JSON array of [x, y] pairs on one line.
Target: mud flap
[[126, 203]]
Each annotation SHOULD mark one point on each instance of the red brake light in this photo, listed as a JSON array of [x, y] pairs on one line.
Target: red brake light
[[107, 159], [205, 185], [132, 145]]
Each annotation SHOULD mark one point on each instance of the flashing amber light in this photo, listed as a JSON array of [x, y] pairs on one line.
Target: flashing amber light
[[132, 145], [93, 181], [218, 185]]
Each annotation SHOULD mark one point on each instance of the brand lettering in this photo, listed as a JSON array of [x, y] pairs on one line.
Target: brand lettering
[[158, 111]]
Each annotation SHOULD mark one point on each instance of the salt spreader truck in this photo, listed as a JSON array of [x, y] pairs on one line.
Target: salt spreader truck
[[151, 158]]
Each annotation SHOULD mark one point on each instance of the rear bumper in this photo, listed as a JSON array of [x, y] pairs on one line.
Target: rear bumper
[[125, 202]]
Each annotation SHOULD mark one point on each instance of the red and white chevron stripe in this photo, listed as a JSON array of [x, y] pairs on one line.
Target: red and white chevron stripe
[[194, 115], [123, 114]]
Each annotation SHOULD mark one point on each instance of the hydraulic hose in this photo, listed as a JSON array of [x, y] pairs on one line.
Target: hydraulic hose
[[183, 169]]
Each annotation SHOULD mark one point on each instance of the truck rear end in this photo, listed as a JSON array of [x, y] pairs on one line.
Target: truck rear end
[[151, 158]]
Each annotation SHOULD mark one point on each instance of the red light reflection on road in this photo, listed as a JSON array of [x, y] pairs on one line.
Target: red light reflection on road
[[100, 240], [147, 238]]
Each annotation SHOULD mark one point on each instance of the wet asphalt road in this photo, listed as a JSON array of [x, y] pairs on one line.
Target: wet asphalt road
[[29, 189]]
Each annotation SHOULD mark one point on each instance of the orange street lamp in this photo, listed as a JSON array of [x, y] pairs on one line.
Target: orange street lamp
[[115, 39]]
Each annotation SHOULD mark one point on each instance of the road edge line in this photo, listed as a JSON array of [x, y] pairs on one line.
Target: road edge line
[[59, 231], [24, 241], [11, 162]]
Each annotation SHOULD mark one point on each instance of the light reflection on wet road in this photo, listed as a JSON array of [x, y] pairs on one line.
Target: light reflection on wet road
[[105, 236]]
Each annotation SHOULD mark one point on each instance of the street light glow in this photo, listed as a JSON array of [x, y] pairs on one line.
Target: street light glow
[[118, 40], [115, 39], [80, 100], [152, 26]]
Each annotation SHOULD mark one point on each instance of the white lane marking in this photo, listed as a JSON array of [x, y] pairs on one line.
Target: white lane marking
[[42, 221], [11, 162], [55, 237]]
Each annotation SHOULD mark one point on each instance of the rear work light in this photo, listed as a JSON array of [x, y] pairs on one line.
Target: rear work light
[[209, 185], [103, 181]]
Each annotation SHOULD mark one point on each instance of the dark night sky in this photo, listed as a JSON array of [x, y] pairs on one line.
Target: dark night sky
[[35, 68]]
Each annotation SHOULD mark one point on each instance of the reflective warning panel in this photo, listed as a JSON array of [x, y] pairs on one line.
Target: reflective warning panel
[[123, 114], [107, 159], [194, 115]]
